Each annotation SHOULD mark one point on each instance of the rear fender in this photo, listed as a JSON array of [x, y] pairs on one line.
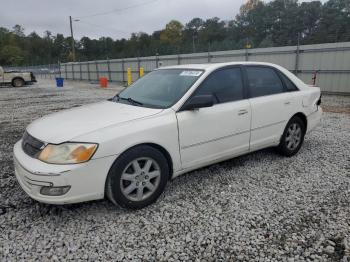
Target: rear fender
[[312, 97]]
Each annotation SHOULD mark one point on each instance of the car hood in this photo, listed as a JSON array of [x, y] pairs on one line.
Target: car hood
[[68, 124]]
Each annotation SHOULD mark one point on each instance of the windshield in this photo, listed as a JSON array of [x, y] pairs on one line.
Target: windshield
[[159, 89]]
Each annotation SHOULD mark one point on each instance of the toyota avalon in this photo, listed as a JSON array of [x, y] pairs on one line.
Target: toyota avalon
[[171, 121]]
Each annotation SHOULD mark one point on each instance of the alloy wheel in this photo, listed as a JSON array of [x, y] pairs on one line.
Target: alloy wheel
[[293, 136], [140, 179]]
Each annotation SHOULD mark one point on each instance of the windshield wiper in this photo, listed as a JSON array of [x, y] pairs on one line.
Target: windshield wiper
[[132, 101], [129, 99]]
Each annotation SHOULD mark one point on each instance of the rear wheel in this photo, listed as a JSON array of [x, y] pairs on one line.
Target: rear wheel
[[137, 178], [293, 137], [18, 82]]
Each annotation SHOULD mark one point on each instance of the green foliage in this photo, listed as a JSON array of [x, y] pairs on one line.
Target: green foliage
[[11, 54], [172, 34], [258, 24]]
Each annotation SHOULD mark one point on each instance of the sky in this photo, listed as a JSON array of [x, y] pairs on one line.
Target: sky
[[119, 19]]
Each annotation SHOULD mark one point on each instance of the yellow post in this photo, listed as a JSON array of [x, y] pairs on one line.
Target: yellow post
[[142, 71], [129, 76]]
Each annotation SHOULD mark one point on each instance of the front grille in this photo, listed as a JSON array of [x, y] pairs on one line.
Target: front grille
[[30, 145]]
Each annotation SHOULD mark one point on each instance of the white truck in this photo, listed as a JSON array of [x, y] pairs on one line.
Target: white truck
[[16, 78]]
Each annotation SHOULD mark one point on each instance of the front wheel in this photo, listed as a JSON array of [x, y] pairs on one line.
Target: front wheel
[[137, 178], [293, 137]]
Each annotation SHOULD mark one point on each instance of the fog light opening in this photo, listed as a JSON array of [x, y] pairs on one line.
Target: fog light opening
[[54, 191]]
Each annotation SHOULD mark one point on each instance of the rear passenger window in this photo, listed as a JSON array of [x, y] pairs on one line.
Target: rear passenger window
[[225, 85], [263, 81], [288, 83]]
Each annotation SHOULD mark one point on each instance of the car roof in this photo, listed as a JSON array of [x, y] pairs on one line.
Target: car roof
[[212, 66]]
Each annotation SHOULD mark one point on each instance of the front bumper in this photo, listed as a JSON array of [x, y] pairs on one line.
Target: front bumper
[[86, 181]]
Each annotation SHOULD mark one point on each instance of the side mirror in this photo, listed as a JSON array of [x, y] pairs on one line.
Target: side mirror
[[199, 101]]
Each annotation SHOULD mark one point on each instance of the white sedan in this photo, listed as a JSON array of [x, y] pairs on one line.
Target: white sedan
[[171, 121]]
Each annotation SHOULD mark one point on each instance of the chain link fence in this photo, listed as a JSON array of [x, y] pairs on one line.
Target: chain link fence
[[49, 71]]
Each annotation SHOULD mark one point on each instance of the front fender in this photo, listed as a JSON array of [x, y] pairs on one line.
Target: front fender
[[160, 129]]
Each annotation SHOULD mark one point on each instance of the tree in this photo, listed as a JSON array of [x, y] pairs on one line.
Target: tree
[[248, 6], [18, 30], [253, 23], [190, 35], [213, 30], [259, 23], [282, 21], [196, 24], [60, 48], [11, 55], [172, 34], [334, 21], [310, 17]]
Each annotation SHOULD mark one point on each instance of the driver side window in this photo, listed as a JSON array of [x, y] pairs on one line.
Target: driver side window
[[225, 85]]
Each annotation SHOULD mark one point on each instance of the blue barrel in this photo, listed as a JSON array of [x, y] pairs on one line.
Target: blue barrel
[[59, 81]]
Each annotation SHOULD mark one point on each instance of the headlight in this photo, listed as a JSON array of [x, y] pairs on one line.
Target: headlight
[[67, 153]]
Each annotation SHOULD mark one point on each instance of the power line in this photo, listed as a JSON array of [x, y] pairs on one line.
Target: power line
[[118, 9]]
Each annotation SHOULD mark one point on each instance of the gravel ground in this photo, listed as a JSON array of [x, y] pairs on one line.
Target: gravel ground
[[258, 207], [336, 104]]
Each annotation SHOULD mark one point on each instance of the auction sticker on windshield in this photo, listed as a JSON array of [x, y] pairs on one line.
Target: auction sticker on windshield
[[191, 73]]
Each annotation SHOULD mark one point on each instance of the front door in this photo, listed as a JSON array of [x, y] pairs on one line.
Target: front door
[[216, 132]]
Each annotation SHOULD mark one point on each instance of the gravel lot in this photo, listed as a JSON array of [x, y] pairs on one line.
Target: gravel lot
[[258, 207]]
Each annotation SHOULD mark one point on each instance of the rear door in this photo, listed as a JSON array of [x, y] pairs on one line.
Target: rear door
[[272, 105], [222, 130]]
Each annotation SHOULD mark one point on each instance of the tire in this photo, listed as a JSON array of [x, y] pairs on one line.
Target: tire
[[18, 82], [137, 178], [292, 138]]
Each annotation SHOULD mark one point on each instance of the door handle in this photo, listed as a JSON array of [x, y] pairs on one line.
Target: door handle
[[287, 103], [242, 112]]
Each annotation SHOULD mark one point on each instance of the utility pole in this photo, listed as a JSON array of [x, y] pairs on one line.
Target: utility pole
[[297, 54], [194, 36], [71, 33], [193, 44]]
